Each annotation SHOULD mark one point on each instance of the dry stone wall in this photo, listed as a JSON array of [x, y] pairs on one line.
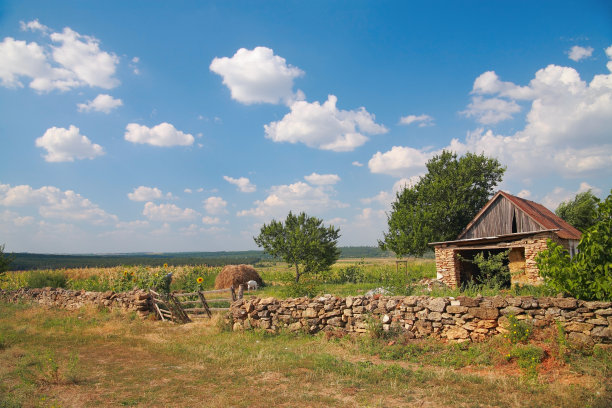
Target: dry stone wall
[[136, 300], [460, 319]]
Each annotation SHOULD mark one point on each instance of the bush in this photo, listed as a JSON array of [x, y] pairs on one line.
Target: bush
[[519, 331], [308, 288], [528, 358], [588, 275], [43, 279], [494, 271]]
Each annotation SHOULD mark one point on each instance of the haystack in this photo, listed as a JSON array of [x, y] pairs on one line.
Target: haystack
[[235, 275]]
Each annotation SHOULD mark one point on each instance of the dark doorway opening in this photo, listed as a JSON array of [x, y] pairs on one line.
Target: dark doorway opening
[[471, 273]]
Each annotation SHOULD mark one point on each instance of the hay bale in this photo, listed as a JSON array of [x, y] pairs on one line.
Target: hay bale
[[235, 275]]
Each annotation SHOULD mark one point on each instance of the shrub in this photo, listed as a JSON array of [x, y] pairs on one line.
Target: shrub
[[528, 358], [308, 288], [519, 331], [494, 271], [588, 275], [43, 279]]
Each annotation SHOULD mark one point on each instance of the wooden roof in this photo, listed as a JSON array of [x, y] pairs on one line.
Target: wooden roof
[[539, 218]]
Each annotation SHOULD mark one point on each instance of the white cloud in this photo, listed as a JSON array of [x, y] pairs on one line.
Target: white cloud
[[423, 120], [215, 205], [81, 55], [102, 103], [524, 193], [243, 184], [322, 179], [567, 128], [33, 25], [560, 194], [70, 60], [13, 218], [324, 126], [168, 212], [294, 197], [143, 193], [369, 215], [257, 76], [132, 225], [210, 220], [188, 191], [577, 53], [489, 111], [400, 161], [163, 135], [54, 203], [357, 164], [64, 145]]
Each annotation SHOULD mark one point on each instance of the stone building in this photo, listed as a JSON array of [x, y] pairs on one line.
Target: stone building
[[505, 222]]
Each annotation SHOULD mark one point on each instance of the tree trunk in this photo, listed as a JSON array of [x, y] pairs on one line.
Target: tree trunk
[[297, 273]]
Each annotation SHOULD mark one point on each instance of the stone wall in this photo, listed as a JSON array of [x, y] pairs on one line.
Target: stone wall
[[460, 318], [135, 300]]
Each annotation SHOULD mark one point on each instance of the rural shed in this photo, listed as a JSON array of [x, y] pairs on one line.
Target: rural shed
[[506, 222]]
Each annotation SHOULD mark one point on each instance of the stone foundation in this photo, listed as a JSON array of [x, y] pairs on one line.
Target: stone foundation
[[460, 319]]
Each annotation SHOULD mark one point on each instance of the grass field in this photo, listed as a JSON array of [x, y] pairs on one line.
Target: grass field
[[94, 358]]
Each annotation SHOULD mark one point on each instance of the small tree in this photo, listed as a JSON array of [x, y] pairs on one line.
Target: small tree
[[301, 241], [442, 203], [5, 260], [588, 275], [581, 212]]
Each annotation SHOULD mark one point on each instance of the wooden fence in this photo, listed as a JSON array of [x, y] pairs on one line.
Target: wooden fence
[[172, 306]]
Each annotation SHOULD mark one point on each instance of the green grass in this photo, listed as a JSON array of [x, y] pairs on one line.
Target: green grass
[[95, 358]]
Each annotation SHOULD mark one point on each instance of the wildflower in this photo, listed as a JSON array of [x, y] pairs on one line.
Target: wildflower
[[200, 279], [165, 265]]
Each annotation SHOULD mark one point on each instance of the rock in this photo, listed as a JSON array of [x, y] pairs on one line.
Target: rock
[[603, 332], [349, 301], [511, 310], [578, 327], [237, 326], [434, 316], [455, 308], [469, 302], [597, 305], [456, 333], [386, 319], [335, 321], [604, 312], [565, 303], [310, 313], [295, 326], [484, 312], [580, 340], [437, 304]]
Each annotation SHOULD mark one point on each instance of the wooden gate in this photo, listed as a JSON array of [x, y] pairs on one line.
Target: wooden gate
[[181, 307]]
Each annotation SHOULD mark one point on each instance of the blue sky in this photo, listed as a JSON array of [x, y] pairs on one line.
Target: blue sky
[[184, 126]]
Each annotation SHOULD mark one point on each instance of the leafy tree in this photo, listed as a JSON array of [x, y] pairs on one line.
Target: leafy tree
[[441, 203], [301, 241], [5, 260], [588, 275], [581, 212]]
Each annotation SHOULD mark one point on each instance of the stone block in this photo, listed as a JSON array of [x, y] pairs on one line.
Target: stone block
[[456, 309], [484, 312], [456, 333], [565, 303], [437, 304], [578, 327]]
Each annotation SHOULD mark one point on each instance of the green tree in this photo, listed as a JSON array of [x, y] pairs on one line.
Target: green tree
[[581, 212], [5, 260], [588, 275], [441, 203], [301, 241]]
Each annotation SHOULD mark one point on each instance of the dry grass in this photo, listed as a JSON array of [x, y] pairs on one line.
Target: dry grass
[[123, 361]]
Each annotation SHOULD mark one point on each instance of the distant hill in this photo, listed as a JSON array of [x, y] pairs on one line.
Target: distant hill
[[28, 261]]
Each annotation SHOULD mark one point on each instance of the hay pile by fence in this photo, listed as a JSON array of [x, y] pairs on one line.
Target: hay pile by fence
[[235, 275]]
